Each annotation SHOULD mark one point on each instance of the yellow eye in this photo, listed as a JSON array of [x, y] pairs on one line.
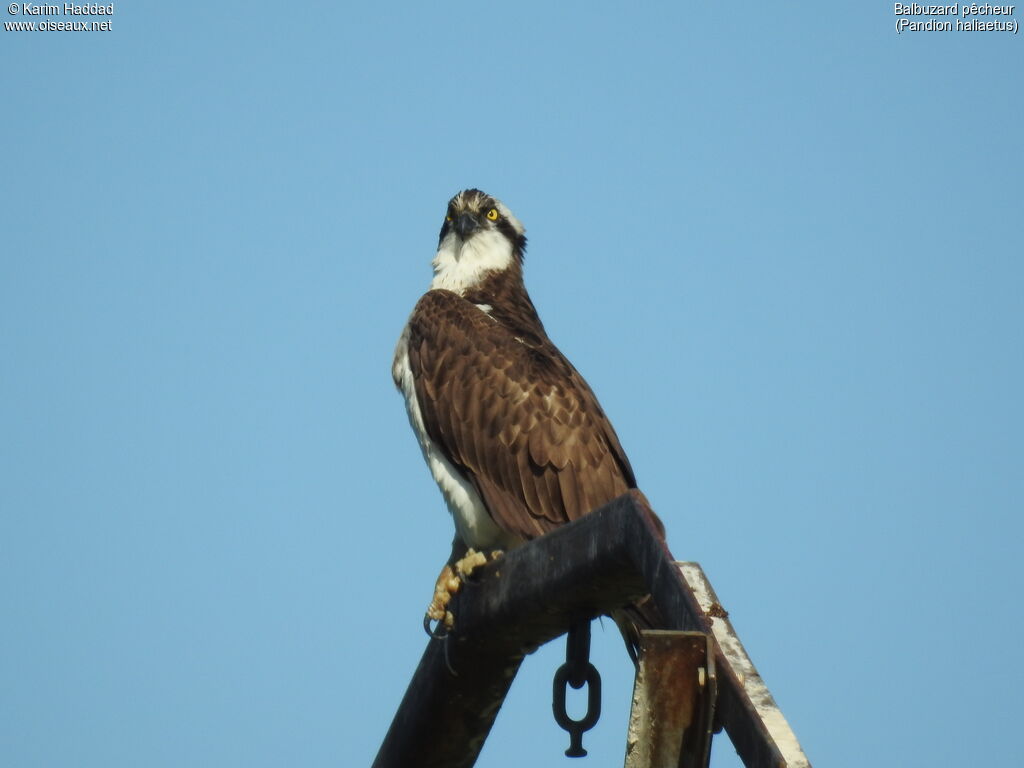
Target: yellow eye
[[493, 214]]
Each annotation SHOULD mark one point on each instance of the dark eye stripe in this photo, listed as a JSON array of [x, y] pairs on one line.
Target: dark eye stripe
[[505, 227]]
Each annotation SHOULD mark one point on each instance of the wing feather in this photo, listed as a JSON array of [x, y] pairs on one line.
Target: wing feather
[[517, 418]]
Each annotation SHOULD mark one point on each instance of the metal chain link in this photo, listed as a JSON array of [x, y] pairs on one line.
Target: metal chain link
[[577, 672]]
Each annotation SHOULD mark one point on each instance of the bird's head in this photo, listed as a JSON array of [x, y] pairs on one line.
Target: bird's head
[[479, 235]]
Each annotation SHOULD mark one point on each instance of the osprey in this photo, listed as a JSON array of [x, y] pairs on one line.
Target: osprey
[[513, 435]]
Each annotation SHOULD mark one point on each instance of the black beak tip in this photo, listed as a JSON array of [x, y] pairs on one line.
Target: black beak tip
[[465, 224]]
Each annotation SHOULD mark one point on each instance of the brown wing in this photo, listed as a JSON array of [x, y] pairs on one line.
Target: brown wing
[[518, 418]]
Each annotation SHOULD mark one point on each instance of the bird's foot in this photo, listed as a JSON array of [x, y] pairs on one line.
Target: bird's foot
[[447, 585], [473, 560], [449, 582]]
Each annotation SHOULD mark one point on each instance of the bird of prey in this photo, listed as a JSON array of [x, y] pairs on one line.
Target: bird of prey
[[511, 432]]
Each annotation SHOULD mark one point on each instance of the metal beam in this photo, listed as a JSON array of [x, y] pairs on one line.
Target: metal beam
[[507, 609], [671, 720], [532, 595], [753, 720]]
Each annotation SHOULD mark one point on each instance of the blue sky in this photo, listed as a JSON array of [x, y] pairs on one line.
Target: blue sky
[[781, 242]]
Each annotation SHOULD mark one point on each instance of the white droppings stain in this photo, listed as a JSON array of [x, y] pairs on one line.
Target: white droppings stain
[[734, 652]]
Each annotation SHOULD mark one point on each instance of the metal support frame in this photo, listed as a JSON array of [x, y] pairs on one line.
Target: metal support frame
[[673, 711], [533, 594], [753, 720]]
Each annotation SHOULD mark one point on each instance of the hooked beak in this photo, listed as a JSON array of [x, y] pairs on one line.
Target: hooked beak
[[465, 224]]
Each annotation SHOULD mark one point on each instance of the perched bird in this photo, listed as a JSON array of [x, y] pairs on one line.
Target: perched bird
[[511, 432]]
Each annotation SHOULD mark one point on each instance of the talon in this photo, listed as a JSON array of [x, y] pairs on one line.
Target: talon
[[434, 633], [449, 582], [435, 611], [447, 585]]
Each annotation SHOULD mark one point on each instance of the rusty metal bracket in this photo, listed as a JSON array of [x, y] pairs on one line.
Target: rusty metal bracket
[[672, 718]]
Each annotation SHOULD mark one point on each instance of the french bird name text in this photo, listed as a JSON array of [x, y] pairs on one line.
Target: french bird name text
[[956, 9]]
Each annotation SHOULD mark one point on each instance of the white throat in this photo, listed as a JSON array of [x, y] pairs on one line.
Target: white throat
[[460, 266]]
